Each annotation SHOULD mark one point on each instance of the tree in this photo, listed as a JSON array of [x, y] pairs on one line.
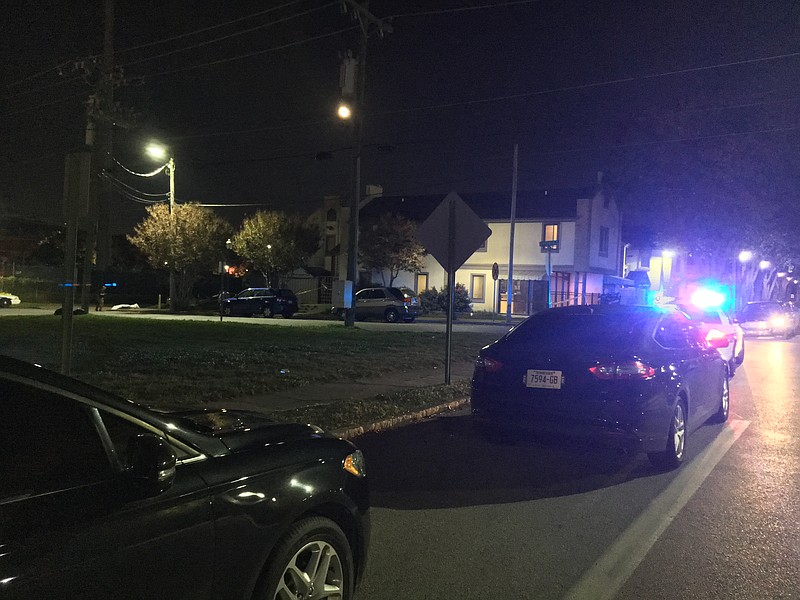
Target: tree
[[189, 242], [390, 243], [276, 243]]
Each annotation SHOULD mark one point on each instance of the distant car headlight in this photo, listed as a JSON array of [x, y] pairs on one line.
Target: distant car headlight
[[354, 464], [778, 321]]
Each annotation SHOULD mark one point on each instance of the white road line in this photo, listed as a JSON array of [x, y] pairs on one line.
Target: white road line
[[605, 578]]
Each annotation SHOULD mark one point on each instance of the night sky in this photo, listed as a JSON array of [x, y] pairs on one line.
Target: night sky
[[645, 90]]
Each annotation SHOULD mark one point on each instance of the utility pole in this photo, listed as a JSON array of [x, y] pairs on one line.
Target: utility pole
[[100, 121], [365, 20], [513, 222]]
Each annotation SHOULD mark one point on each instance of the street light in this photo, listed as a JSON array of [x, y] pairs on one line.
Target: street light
[[343, 111], [763, 265], [161, 152], [665, 254]]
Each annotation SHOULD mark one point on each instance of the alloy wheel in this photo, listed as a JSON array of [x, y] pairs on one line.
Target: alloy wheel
[[678, 431], [314, 573]]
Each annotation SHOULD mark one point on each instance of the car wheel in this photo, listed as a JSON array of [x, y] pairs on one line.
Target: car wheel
[[672, 456], [724, 403], [5, 302], [227, 311], [314, 560], [268, 312], [740, 357], [391, 315]]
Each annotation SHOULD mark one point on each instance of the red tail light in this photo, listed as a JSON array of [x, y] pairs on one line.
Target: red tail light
[[488, 365], [625, 370]]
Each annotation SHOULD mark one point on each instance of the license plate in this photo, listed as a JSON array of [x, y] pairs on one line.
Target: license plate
[[544, 379]]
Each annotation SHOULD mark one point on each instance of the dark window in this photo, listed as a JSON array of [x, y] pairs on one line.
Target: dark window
[[397, 293], [703, 315], [331, 215], [330, 243], [47, 442], [377, 294], [604, 241], [671, 333]]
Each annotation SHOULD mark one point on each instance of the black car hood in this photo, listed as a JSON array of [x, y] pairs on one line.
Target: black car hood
[[241, 430]]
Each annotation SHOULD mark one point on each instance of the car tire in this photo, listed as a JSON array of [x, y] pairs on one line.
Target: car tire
[[672, 456], [739, 359], [724, 403], [226, 310], [291, 566], [391, 315], [5, 302]]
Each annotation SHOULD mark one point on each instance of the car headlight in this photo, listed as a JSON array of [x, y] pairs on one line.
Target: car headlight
[[778, 321], [354, 464]]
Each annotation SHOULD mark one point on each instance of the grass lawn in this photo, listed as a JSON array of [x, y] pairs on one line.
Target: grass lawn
[[188, 362]]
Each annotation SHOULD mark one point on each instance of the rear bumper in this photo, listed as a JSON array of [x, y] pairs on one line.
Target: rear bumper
[[644, 429]]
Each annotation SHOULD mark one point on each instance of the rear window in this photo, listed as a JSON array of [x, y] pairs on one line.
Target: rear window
[[705, 316], [566, 331], [397, 293]]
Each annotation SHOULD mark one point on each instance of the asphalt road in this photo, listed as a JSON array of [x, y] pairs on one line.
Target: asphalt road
[[456, 517]]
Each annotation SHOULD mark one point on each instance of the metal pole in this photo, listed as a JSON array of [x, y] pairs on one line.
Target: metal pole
[[451, 278], [510, 281], [549, 296], [173, 301], [221, 286]]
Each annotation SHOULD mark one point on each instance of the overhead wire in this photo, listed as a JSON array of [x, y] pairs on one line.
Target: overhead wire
[[229, 36], [444, 11], [251, 54], [210, 28], [110, 177], [150, 174]]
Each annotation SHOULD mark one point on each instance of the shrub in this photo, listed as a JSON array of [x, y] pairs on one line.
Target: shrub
[[435, 301]]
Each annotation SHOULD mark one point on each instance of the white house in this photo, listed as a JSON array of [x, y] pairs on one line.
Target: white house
[[585, 222]]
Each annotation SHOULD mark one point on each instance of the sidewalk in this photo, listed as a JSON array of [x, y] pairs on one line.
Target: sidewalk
[[326, 393]]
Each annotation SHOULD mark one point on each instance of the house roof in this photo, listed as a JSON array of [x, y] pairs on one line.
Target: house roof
[[535, 205]]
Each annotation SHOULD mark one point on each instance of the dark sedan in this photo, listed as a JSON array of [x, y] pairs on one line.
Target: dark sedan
[[638, 376], [266, 302], [102, 498]]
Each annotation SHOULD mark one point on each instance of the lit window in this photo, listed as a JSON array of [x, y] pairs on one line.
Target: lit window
[[551, 232], [478, 285], [422, 282]]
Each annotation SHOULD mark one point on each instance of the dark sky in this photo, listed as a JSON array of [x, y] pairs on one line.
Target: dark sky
[[579, 85]]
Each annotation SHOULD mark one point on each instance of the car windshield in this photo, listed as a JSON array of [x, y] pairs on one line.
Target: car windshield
[[760, 312], [703, 315], [567, 331]]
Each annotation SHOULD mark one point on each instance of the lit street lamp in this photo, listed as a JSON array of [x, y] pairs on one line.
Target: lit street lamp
[[160, 152], [344, 111], [744, 257]]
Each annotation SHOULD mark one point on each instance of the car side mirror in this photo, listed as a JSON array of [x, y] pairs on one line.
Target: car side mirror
[[150, 464]]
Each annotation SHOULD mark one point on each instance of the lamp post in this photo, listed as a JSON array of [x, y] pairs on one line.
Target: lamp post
[[744, 257], [665, 254], [160, 152], [222, 270]]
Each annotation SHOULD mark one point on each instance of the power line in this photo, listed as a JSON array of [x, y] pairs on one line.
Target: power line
[[110, 177], [585, 86], [30, 108], [229, 36], [210, 28], [444, 11], [57, 68], [256, 53]]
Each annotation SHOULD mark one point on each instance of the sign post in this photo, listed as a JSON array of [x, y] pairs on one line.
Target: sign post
[[466, 232], [495, 275], [550, 247]]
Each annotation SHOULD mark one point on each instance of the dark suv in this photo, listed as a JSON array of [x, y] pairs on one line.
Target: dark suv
[[261, 301], [103, 498]]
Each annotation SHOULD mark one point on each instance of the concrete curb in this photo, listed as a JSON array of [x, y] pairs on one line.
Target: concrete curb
[[387, 424]]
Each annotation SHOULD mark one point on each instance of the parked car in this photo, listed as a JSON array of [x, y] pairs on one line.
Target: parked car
[[7, 299], [716, 323], [261, 301], [766, 318], [639, 377], [103, 498], [388, 303]]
